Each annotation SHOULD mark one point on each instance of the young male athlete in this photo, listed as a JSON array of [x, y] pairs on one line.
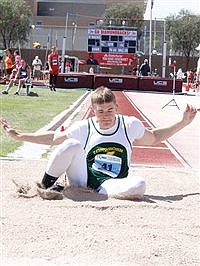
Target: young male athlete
[[53, 63], [96, 152]]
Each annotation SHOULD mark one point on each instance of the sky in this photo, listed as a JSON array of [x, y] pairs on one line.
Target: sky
[[164, 8]]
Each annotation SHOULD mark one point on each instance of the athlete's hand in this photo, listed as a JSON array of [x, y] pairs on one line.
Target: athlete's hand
[[7, 127], [189, 114]]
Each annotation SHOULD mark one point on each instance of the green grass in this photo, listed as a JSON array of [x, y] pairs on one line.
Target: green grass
[[30, 113]]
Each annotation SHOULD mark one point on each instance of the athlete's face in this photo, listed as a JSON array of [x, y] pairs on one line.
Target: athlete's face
[[23, 63], [54, 50], [105, 114]]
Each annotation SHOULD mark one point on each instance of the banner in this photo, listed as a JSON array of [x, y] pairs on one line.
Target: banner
[[111, 59]]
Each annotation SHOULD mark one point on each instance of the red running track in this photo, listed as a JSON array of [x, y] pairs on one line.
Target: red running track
[[160, 155]]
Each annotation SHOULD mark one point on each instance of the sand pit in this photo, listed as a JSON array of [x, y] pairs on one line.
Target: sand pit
[[87, 229]]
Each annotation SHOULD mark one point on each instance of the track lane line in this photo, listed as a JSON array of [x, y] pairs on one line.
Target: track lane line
[[169, 146]]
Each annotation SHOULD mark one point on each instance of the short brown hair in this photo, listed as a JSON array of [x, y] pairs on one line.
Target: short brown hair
[[103, 95]]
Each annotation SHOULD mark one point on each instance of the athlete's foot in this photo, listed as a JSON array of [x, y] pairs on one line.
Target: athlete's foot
[[49, 194], [52, 193]]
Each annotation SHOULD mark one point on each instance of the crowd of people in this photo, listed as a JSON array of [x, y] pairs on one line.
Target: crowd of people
[[191, 77], [16, 70]]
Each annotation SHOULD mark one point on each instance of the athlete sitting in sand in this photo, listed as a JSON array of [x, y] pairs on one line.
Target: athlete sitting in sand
[[96, 152]]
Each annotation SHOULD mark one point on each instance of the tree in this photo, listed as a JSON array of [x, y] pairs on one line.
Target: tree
[[124, 15], [183, 30], [15, 23]]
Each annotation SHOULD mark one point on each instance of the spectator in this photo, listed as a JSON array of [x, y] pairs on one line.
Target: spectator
[[91, 60], [13, 81], [91, 70], [155, 73], [145, 68], [135, 71], [194, 74], [68, 65], [1, 66], [53, 62], [198, 72], [189, 77], [8, 63], [17, 59], [180, 74], [37, 67]]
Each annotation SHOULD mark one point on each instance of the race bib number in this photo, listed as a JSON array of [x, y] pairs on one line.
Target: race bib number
[[107, 164], [54, 62]]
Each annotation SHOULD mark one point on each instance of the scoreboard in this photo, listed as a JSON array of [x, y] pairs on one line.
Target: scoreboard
[[112, 41]]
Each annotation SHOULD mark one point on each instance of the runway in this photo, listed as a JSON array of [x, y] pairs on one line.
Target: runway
[[161, 155]]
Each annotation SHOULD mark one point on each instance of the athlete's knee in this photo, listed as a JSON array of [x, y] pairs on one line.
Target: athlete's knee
[[141, 186], [138, 185], [69, 145]]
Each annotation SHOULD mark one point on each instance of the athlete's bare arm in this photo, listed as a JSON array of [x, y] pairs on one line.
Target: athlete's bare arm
[[37, 137], [157, 135], [59, 137], [49, 62]]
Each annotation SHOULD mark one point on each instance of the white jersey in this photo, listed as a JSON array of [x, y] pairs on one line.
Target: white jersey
[[37, 64], [108, 152]]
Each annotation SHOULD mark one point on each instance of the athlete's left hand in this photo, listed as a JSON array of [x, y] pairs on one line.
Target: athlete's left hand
[[189, 114]]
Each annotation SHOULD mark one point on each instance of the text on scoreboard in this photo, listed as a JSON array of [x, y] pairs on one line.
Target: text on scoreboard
[[112, 41]]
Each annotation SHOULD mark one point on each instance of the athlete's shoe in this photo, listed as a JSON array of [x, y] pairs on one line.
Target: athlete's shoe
[[49, 194], [4, 92], [53, 87], [57, 188], [52, 193]]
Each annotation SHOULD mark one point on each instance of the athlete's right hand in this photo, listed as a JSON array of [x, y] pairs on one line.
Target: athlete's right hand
[[7, 127]]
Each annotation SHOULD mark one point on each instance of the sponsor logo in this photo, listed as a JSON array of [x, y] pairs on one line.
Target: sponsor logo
[[115, 80], [160, 82], [71, 79]]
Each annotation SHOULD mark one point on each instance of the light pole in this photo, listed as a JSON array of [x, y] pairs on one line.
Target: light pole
[[64, 45], [150, 35], [144, 38], [164, 51], [73, 34], [154, 35]]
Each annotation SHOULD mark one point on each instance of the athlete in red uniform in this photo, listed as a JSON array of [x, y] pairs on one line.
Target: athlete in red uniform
[[53, 61]]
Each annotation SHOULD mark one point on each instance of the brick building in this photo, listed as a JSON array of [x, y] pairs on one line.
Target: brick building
[[50, 17]]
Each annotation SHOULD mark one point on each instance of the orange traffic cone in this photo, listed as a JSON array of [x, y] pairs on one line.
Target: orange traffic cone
[[62, 129]]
